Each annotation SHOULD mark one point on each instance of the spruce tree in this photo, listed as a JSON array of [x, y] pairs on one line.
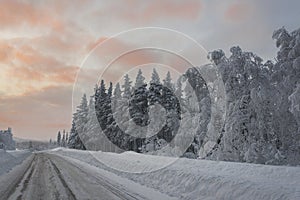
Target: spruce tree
[[78, 125], [168, 81], [140, 80], [117, 91], [127, 87], [155, 77], [154, 94], [110, 89], [63, 139], [58, 138]]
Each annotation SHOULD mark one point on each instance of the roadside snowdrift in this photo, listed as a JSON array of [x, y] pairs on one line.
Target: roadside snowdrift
[[9, 159], [198, 179]]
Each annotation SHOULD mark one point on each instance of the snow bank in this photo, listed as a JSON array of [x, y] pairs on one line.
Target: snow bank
[[9, 159], [198, 179]]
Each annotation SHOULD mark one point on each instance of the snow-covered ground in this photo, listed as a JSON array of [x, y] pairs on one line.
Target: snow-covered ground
[[129, 175], [9, 159], [48, 176], [196, 179]]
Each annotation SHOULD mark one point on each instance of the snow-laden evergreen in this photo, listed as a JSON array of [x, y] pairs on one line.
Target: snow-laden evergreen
[[261, 109]]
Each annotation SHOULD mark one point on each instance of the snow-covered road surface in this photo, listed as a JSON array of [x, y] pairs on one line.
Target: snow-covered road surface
[[73, 174], [48, 176]]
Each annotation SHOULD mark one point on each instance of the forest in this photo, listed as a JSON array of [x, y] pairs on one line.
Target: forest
[[261, 114]]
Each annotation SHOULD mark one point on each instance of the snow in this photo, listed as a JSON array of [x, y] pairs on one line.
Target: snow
[[9, 159], [195, 179], [120, 183]]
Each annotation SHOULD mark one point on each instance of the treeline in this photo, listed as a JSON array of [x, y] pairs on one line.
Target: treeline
[[262, 114], [62, 139], [113, 109], [262, 123]]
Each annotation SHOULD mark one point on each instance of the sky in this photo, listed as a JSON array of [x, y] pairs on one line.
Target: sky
[[43, 44]]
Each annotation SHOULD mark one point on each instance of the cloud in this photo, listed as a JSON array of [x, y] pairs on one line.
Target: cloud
[[43, 44], [169, 9], [20, 13], [238, 12], [38, 114], [146, 11], [26, 69]]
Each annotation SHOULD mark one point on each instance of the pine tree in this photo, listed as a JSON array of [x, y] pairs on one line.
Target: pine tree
[[168, 81], [127, 87], [155, 77], [110, 89], [58, 138], [78, 125], [140, 80], [154, 94], [63, 138], [117, 91], [74, 141], [67, 138], [100, 105]]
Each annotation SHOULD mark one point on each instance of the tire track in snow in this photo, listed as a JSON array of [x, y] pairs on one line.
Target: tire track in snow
[[102, 182], [71, 195]]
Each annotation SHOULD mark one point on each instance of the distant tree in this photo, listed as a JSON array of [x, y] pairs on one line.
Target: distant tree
[[67, 138], [127, 87], [140, 80], [154, 89], [117, 95], [63, 140], [74, 141], [155, 77], [168, 81], [58, 138], [78, 125], [110, 89], [117, 91]]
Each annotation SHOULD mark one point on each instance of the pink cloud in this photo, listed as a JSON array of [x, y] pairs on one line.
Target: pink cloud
[[153, 10], [38, 114], [18, 13], [238, 12]]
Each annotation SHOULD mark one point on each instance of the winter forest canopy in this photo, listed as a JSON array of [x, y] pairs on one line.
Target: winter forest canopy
[[262, 109]]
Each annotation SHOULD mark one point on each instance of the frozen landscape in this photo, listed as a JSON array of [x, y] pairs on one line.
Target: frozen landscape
[[149, 100], [73, 174], [228, 135]]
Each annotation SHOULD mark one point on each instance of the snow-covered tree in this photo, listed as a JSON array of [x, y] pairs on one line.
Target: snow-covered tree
[[63, 138], [77, 133], [155, 77], [126, 87], [58, 138], [74, 141], [140, 80], [168, 81]]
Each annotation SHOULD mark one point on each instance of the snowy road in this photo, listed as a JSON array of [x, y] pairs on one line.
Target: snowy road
[[48, 176], [73, 174]]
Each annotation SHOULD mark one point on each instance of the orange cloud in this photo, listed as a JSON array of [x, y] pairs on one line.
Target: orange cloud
[[5, 49], [18, 13], [37, 70], [25, 70], [153, 10], [237, 12], [179, 9], [33, 65], [5, 120], [38, 114]]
